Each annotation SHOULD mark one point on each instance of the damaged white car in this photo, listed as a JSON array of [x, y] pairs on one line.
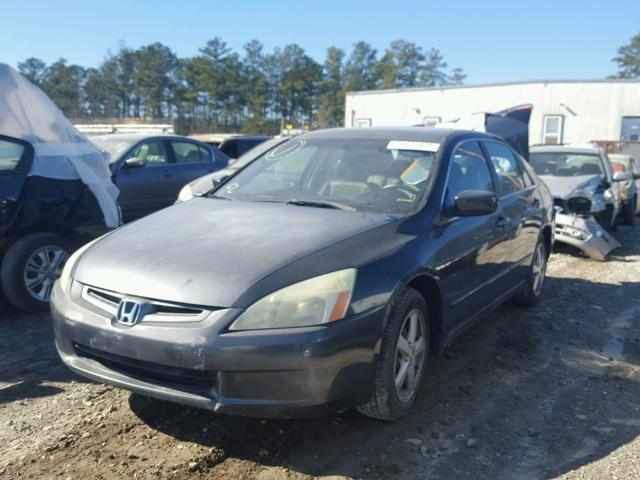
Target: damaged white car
[[586, 195]]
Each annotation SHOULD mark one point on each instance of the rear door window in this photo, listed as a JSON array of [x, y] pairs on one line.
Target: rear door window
[[187, 152], [506, 166], [468, 171], [11, 155]]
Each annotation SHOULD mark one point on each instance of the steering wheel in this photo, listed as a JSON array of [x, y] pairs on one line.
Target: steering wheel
[[408, 191]]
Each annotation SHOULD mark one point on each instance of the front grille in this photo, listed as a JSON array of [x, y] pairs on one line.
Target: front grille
[[148, 371], [159, 311]]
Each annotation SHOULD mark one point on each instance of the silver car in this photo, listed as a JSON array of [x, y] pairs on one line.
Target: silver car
[[586, 193]]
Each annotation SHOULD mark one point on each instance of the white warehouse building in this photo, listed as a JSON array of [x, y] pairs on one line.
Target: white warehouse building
[[563, 111]]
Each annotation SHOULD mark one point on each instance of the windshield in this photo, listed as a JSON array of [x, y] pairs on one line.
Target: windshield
[[115, 146], [566, 164], [353, 174]]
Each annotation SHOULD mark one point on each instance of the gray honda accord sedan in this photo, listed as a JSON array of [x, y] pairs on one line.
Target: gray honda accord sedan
[[321, 276]]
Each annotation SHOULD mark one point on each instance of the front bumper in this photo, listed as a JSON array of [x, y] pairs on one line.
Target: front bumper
[[585, 234], [283, 373]]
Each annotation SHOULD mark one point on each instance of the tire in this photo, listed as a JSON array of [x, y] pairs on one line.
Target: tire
[[388, 402], [14, 273], [628, 214], [534, 288], [607, 219]]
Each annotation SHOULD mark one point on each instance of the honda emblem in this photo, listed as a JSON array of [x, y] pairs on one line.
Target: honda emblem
[[129, 312]]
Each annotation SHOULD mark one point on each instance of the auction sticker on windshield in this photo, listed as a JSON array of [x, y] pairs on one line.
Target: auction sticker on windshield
[[412, 145]]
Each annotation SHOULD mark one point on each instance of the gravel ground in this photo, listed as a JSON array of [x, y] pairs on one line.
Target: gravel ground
[[543, 393]]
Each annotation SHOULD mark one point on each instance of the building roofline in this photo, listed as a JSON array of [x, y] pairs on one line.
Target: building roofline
[[495, 84]]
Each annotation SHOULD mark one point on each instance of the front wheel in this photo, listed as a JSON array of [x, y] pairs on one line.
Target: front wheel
[[534, 287], [30, 268], [402, 360]]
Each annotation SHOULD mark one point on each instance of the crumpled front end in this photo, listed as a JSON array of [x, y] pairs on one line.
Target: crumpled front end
[[585, 234]]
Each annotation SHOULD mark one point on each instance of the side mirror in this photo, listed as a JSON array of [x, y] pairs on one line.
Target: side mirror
[[133, 162], [621, 177], [475, 202]]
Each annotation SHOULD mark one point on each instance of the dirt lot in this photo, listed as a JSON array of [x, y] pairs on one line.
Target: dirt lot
[[552, 392]]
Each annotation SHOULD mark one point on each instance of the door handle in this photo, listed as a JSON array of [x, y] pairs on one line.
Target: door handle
[[502, 221], [168, 174], [535, 203]]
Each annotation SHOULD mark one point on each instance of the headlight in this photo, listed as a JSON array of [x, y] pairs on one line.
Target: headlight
[[579, 205], [185, 194], [65, 276], [315, 301]]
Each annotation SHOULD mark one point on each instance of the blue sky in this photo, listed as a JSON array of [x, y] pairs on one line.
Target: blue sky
[[493, 40]]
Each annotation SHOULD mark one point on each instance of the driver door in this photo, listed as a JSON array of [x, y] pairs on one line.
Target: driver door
[[143, 189], [473, 249]]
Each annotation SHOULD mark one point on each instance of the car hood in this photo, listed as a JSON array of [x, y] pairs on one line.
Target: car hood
[[210, 251], [566, 187]]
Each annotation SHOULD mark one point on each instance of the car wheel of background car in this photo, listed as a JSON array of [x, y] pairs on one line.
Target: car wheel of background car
[[606, 219], [402, 360], [628, 214], [30, 268], [536, 279]]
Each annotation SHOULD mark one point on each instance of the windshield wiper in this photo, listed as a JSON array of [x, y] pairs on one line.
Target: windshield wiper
[[319, 204], [213, 195]]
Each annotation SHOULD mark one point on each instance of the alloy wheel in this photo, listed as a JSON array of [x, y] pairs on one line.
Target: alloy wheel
[[42, 269], [539, 268], [410, 352]]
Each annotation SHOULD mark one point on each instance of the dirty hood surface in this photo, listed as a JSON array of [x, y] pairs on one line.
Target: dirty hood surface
[[209, 251], [564, 187]]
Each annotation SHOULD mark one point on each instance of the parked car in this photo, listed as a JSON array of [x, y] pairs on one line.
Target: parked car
[[42, 221], [586, 193], [235, 147], [348, 257], [568, 170], [629, 190], [150, 170], [201, 186]]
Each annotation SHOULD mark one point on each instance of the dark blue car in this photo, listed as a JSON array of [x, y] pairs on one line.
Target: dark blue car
[[323, 275], [150, 170]]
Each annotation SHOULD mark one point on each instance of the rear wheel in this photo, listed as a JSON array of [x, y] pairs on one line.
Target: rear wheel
[[30, 268], [534, 287], [402, 360]]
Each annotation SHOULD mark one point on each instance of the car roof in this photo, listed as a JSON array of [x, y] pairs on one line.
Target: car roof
[[136, 137], [239, 138], [621, 157], [423, 134], [566, 149]]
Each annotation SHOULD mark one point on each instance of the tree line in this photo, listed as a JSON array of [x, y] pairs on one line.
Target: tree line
[[222, 90]]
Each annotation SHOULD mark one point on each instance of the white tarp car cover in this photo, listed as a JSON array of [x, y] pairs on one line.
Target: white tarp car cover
[[60, 151]]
